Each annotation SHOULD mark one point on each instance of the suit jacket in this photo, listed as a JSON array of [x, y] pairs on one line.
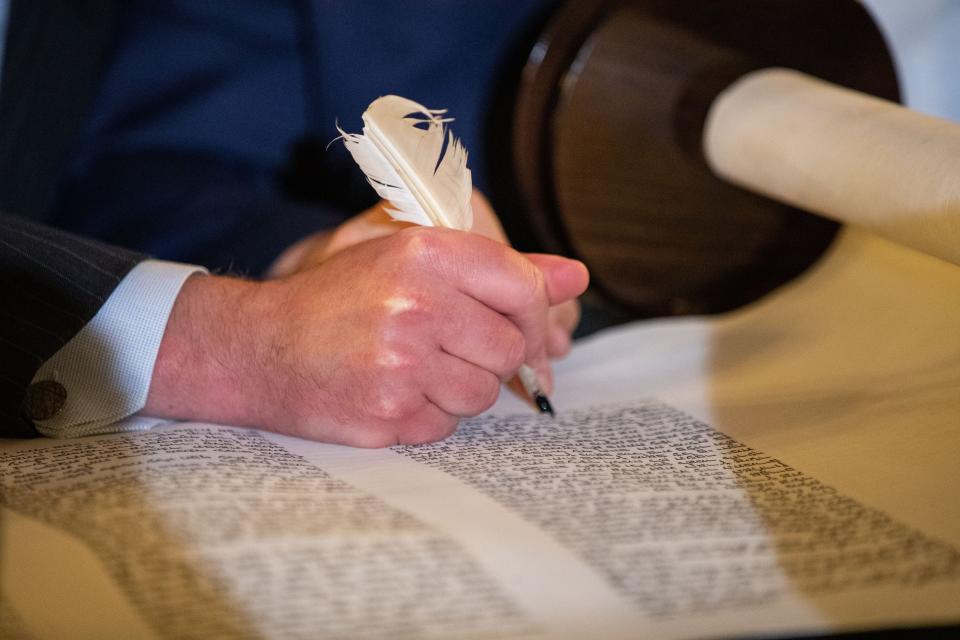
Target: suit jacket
[[51, 282]]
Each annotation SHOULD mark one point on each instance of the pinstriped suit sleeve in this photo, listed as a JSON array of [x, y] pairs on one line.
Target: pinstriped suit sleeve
[[106, 369], [51, 284]]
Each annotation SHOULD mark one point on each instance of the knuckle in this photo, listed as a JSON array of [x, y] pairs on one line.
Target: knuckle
[[535, 288], [405, 311], [421, 246], [389, 405], [387, 394], [383, 357], [399, 330], [388, 365]]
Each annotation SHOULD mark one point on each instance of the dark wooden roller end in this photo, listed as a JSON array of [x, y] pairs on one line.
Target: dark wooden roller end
[[607, 143]]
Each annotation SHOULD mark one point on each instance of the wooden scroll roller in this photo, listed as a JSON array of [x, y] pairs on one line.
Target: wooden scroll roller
[[635, 120]]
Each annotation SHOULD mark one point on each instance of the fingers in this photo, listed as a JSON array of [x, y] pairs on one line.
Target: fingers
[[315, 249], [507, 282], [471, 331], [565, 281], [496, 276], [564, 278], [458, 387], [429, 424], [562, 320], [375, 222], [485, 221], [451, 388], [300, 255]]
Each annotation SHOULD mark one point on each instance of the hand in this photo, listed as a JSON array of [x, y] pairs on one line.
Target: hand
[[375, 222], [388, 342]]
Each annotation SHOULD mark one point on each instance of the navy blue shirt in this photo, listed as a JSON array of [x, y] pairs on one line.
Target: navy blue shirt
[[203, 102]]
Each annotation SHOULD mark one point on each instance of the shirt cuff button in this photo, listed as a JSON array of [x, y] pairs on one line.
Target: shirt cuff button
[[44, 400]]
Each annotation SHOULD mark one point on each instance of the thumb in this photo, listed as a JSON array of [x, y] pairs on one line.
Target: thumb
[[565, 279]]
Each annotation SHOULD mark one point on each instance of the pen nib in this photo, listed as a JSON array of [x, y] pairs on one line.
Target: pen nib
[[543, 404]]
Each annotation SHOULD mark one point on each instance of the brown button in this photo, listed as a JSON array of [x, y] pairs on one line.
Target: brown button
[[44, 400]]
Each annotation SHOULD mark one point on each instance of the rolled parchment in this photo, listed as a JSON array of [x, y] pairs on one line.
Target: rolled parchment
[[843, 154]]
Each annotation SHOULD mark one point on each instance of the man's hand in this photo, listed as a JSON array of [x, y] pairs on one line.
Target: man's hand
[[388, 342], [375, 222]]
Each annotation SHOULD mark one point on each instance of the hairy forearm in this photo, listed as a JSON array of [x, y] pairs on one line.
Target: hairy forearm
[[207, 365]]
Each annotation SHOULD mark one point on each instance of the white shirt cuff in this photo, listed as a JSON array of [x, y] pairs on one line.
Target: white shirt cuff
[[107, 367]]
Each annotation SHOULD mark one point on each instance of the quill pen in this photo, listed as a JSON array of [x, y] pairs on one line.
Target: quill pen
[[413, 160]]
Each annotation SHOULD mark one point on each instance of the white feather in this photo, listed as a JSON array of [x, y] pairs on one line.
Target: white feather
[[402, 153]]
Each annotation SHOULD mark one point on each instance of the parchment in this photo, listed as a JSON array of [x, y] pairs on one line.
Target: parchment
[[787, 468]]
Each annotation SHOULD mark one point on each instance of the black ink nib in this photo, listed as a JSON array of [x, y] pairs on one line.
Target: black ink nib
[[543, 404]]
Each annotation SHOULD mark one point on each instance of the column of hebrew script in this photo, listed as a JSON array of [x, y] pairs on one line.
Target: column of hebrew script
[[216, 532], [680, 518]]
